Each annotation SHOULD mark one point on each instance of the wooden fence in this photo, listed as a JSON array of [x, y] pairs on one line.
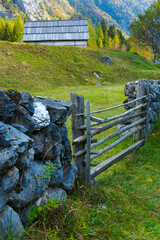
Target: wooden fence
[[83, 133]]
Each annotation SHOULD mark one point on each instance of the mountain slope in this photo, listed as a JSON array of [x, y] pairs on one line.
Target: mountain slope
[[118, 12]]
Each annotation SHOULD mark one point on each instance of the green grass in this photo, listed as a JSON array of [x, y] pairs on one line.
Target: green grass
[[39, 68], [125, 204]]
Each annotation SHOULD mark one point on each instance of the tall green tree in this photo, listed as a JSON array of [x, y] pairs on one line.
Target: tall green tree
[[8, 33], [106, 39], [2, 28], [112, 31], [103, 26], [92, 35], [18, 29], [146, 29], [99, 35]]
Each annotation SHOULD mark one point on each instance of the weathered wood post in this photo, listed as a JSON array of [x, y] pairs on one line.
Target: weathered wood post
[[77, 121], [141, 91], [88, 171], [147, 114]]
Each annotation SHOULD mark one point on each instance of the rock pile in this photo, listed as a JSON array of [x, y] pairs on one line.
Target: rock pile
[[33, 137], [154, 99]]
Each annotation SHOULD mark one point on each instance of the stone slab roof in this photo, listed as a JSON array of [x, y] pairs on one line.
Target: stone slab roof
[[62, 30]]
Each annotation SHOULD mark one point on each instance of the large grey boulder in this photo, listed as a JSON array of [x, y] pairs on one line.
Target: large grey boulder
[[67, 152], [8, 158], [130, 89], [25, 161], [33, 184], [22, 117], [21, 143], [5, 140], [8, 182], [27, 102], [10, 224], [7, 107], [58, 110], [70, 175], [47, 143], [57, 178]]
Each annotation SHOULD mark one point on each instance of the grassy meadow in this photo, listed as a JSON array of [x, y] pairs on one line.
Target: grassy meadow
[[125, 204]]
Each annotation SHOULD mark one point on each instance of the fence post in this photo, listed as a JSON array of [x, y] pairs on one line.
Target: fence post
[[147, 115], [141, 91], [77, 121], [88, 173]]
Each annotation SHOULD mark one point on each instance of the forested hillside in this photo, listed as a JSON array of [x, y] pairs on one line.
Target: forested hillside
[[118, 12]]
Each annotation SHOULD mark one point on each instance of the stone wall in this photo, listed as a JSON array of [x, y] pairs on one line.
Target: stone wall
[[154, 99], [32, 137]]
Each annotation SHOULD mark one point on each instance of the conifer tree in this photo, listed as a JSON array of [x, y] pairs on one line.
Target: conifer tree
[[104, 26], [112, 31], [99, 35], [106, 40]]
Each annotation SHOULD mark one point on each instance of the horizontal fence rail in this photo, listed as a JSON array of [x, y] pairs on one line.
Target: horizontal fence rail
[[83, 156]]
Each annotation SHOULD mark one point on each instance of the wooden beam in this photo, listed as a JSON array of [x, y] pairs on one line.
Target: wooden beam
[[108, 109], [88, 175], [109, 162], [141, 91], [112, 145], [106, 127], [112, 135], [119, 116]]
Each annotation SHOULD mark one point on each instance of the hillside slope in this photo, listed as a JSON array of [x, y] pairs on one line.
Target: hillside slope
[[34, 67], [118, 12]]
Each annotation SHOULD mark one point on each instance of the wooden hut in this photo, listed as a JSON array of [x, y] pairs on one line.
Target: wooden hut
[[62, 32]]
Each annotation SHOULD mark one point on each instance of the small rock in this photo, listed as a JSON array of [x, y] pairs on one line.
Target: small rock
[[97, 76], [9, 54], [108, 60], [98, 84]]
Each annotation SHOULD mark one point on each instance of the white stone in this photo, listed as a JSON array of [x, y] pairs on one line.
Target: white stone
[[41, 116]]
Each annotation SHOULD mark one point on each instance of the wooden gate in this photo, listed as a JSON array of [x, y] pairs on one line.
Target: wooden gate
[[83, 133]]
